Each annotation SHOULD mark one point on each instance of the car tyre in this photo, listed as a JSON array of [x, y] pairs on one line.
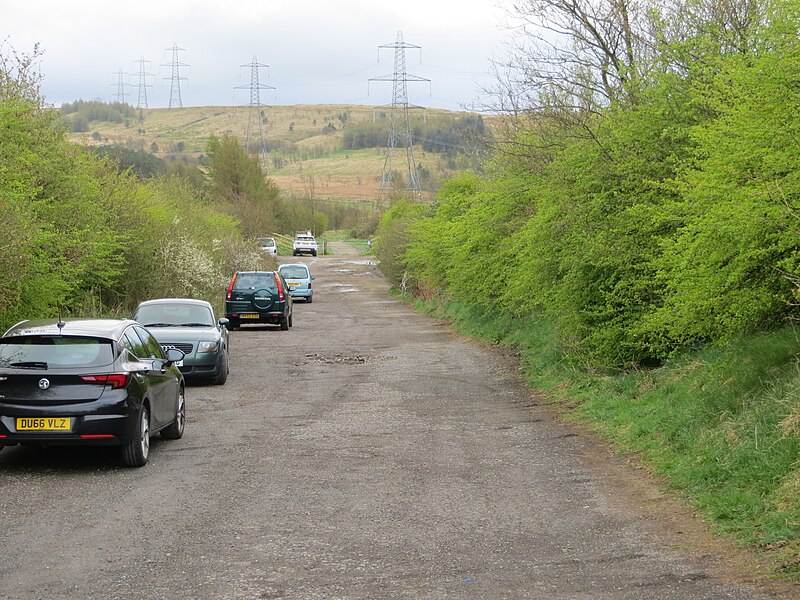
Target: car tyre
[[284, 324], [178, 426], [310, 299], [222, 376], [137, 450], [291, 319]]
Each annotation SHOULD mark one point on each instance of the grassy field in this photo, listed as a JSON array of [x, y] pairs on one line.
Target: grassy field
[[304, 143]]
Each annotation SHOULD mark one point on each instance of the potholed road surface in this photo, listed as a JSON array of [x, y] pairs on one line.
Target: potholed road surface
[[366, 453]]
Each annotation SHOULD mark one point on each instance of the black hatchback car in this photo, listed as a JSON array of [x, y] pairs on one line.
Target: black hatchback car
[[258, 297], [89, 381]]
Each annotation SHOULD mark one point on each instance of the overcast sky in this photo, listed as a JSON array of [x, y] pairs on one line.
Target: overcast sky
[[318, 51]]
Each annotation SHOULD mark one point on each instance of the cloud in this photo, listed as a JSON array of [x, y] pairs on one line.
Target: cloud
[[318, 51]]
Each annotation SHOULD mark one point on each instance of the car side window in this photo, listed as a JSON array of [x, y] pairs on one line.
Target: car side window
[[152, 347], [133, 343]]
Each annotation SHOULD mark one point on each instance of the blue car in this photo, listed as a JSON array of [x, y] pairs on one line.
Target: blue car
[[299, 279]]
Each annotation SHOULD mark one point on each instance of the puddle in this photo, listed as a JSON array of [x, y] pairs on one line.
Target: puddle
[[341, 287]]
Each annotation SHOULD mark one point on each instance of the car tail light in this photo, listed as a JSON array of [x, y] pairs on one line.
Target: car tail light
[[115, 380], [280, 289], [230, 287]]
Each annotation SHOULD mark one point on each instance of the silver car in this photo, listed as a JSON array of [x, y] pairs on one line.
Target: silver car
[[268, 245]]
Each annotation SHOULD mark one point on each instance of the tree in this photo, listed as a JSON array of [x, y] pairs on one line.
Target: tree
[[573, 55], [238, 182]]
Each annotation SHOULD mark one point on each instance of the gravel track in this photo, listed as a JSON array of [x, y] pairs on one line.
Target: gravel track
[[366, 453]]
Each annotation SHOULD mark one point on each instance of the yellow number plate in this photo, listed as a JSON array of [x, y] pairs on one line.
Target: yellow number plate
[[248, 316], [291, 284], [44, 424]]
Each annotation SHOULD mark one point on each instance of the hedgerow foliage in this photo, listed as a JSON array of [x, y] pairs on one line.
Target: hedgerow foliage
[[81, 238], [645, 211]]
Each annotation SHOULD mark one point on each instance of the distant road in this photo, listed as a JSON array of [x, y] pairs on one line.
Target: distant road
[[365, 453]]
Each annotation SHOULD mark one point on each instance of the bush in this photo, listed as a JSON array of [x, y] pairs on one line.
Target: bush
[[83, 238], [394, 237]]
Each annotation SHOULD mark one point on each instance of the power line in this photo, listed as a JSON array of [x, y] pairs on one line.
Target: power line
[[400, 133], [175, 77], [141, 101], [254, 112], [121, 84]]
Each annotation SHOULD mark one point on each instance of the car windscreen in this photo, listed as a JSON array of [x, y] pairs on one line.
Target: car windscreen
[[174, 315], [54, 352], [294, 272], [304, 239], [255, 281]]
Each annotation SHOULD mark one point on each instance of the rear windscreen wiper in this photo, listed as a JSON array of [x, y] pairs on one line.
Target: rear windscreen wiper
[[32, 364]]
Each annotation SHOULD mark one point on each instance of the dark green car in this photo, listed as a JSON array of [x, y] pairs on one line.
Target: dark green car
[[258, 297]]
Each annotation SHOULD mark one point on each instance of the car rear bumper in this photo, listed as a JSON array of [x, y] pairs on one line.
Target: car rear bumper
[[89, 429], [242, 313], [271, 318]]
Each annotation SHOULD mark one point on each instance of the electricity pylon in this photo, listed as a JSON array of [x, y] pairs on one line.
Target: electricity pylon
[[254, 112], [176, 77], [141, 102], [121, 93], [400, 133]]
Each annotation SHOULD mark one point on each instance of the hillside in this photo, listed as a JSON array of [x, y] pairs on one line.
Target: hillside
[[305, 143]]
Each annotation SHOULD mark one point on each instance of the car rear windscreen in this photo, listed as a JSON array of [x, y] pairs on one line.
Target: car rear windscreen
[[54, 352], [255, 281], [294, 272]]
